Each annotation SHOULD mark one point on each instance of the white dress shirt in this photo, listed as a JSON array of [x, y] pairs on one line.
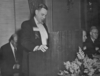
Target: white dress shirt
[[92, 39], [12, 47], [43, 32]]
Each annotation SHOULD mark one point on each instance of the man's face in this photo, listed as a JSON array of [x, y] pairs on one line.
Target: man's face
[[41, 15], [84, 36], [94, 33], [15, 40]]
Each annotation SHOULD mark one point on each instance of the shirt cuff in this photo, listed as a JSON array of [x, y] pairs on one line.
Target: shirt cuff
[[36, 48]]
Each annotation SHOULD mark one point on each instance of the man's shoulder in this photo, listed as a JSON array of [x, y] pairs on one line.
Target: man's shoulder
[[5, 45], [26, 22], [88, 39]]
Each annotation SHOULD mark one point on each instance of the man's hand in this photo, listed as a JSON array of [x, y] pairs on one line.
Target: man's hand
[[16, 66], [43, 48], [96, 48]]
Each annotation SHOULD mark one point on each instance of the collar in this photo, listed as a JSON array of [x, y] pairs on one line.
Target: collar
[[37, 22], [11, 46], [92, 39]]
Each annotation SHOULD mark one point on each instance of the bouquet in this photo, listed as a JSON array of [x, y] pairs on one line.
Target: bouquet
[[81, 65], [91, 66]]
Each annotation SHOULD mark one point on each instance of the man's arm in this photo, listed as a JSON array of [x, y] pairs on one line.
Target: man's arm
[[26, 38], [1, 57]]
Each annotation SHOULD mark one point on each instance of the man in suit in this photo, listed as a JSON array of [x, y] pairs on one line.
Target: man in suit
[[92, 43], [34, 31], [34, 38], [11, 57]]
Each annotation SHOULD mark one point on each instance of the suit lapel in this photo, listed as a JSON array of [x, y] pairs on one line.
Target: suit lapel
[[32, 23], [37, 33], [11, 52]]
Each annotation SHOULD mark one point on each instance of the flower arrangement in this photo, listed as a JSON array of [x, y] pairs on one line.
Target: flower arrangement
[[82, 64], [91, 66]]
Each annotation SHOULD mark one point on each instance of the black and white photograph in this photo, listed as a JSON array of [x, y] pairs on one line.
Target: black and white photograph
[[49, 37]]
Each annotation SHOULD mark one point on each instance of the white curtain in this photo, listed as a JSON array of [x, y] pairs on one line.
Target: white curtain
[[12, 14]]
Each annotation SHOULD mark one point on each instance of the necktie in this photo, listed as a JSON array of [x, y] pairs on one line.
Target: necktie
[[15, 51]]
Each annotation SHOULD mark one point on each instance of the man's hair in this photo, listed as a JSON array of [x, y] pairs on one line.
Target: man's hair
[[38, 7], [41, 6], [93, 27], [12, 37]]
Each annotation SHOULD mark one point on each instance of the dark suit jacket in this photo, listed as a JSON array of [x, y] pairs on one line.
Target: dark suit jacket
[[7, 59], [90, 47], [30, 38]]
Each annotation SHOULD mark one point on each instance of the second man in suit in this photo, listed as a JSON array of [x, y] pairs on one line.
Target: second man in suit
[[11, 57], [92, 43]]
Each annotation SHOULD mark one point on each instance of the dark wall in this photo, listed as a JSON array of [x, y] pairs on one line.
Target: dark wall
[[91, 13], [66, 15]]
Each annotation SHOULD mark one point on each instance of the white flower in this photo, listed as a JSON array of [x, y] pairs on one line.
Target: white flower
[[86, 71], [91, 72], [97, 48], [67, 64], [90, 65], [71, 70], [78, 62], [61, 73], [84, 48], [75, 66], [80, 54], [66, 72]]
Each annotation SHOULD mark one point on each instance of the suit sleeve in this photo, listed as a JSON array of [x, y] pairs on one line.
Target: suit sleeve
[[1, 57], [26, 39]]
